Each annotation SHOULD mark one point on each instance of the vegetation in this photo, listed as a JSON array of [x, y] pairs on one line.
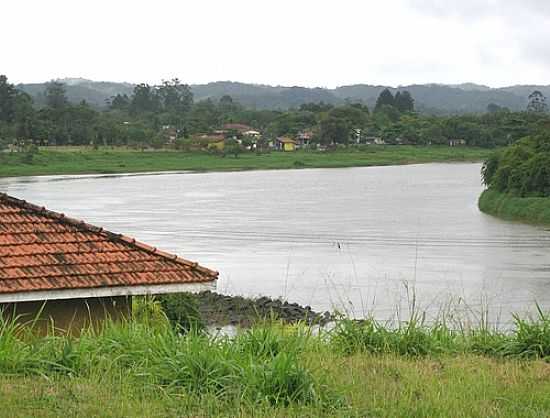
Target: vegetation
[[106, 160], [431, 98], [362, 368], [534, 210], [154, 116], [518, 180]]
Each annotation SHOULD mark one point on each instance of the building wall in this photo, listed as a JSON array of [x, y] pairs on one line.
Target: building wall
[[70, 315], [217, 145], [289, 147]]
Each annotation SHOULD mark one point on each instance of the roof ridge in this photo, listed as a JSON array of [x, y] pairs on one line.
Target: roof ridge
[[111, 236]]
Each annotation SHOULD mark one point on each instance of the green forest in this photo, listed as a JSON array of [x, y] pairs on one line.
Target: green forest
[[518, 181], [143, 118]]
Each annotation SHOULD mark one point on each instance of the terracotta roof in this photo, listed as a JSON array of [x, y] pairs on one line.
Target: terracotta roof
[[237, 127], [44, 250]]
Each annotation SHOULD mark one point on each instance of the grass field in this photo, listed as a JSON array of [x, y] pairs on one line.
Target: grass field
[[105, 161], [534, 210], [371, 385], [359, 369]]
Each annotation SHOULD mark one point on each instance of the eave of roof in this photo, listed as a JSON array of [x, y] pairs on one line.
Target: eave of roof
[[199, 274]]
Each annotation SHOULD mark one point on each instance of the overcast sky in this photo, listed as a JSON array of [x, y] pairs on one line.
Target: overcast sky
[[323, 43]]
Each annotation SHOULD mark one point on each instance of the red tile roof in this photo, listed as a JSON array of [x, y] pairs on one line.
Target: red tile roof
[[44, 250]]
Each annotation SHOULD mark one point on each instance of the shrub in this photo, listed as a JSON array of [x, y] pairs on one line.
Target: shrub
[[182, 311]]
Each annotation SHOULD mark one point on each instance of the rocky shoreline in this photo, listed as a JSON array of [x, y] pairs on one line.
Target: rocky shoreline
[[220, 310]]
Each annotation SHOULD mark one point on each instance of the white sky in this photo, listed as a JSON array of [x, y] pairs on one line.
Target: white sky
[[322, 43]]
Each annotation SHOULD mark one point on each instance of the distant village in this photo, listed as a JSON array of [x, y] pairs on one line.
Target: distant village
[[250, 139]]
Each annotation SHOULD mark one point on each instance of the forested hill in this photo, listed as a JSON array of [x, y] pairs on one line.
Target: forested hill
[[430, 98]]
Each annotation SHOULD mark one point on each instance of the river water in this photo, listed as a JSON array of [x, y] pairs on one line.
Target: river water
[[365, 241]]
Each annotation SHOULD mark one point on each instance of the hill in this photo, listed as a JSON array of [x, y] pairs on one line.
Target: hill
[[430, 98]]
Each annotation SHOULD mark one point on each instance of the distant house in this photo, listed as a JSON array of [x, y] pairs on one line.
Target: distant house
[[206, 141], [61, 271], [378, 141], [457, 142], [170, 134], [252, 134], [286, 144], [304, 138]]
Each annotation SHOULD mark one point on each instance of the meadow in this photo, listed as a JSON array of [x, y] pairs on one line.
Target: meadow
[[153, 366], [86, 160]]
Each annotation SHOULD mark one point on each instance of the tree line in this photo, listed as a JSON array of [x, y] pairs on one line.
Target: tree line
[[141, 118]]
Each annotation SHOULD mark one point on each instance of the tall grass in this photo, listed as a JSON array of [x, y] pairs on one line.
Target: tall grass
[[268, 364], [529, 339], [261, 365]]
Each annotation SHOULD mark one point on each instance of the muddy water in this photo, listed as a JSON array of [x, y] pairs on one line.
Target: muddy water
[[363, 240]]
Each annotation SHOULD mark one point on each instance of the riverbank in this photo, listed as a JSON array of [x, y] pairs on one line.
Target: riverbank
[[119, 160], [533, 210], [360, 368]]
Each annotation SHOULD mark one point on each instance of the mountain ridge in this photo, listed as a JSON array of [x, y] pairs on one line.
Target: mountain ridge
[[430, 98]]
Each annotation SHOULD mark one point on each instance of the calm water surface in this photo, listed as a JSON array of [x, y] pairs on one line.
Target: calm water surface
[[360, 239]]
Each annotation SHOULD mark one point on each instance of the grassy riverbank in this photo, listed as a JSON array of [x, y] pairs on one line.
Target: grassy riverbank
[[107, 160], [534, 210], [146, 368]]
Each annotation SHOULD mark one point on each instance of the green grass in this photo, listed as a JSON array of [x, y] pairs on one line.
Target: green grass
[[534, 210], [120, 160], [147, 368]]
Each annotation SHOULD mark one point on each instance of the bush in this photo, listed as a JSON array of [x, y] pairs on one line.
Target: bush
[[182, 311]]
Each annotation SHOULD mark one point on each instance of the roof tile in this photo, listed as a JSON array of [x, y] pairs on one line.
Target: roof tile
[[44, 250]]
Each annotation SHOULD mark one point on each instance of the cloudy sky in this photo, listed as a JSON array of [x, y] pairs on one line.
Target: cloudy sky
[[322, 43]]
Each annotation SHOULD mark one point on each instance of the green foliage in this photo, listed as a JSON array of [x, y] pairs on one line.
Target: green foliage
[[8, 94], [523, 169], [404, 102], [145, 367], [55, 94], [531, 337], [384, 99], [251, 367], [534, 210], [182, 311]]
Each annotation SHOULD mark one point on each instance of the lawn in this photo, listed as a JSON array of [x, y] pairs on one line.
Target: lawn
[[118, 160]]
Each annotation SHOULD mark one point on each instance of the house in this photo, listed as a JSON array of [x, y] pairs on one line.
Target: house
[[61, 271], [210, 142], [170, 134], [378, 141], [252, 134], [286, 144], [457, 142], [304, 138]]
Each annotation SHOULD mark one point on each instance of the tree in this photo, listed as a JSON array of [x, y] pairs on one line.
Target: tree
[[227, 105], [144, 99], [119, 102], [404, 102], [537, 103], [334, 131], [7, 100], [384, 99], [55, 94], [175, 97]]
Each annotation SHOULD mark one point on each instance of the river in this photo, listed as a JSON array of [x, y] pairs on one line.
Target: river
[[366, 241]]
